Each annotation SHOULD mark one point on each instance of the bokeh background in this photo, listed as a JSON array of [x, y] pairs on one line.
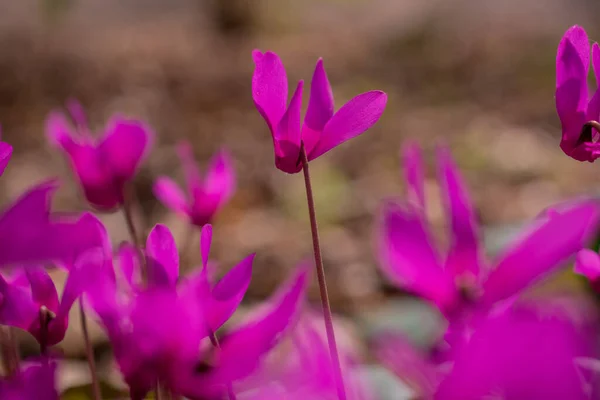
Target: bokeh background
[[477, 75]]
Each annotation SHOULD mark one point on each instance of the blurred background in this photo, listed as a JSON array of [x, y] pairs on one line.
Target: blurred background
[[477, 75]]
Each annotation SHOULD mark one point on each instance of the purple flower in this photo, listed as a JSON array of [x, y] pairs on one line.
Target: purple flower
[[33, 382], [29, 296], [588, 265], [156, 329], [103, 164], [574, 104], [460, 281], [545, 346], [29, 233], [322, 129], [5, 154], [242, 351], [204, 196]]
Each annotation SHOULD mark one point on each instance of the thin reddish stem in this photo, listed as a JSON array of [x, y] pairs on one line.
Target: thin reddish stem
[[327, 316], [89, 352]]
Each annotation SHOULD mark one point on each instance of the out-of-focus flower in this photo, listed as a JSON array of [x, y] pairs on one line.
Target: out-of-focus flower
[[588, 265], [304, 372], [103, 164], [574, 104], [29, 233], [461, 282], [156, 329], [242, 351], [322, 129], [518, 354], [5, 154], [204, 196], [36, 381], [30, 300]]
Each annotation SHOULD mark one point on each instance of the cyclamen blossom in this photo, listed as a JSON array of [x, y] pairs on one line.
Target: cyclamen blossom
[[142, 321], [29, 297], [34, 381], [104, 164], [574, 104], [517, 354], [322, 129], [461, 282], [205, 196]]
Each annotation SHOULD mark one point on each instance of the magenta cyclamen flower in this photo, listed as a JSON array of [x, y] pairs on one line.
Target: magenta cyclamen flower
[[5, 154], [30, 292], [33, 382], [103, 164], [322, 129], [574, 104], [205, 196], [29, 233], [460, 281]]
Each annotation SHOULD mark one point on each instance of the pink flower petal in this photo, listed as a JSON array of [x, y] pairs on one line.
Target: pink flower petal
[[43, 291], [205, 243], [228, 293], [190, 167], [269, 87], [162, 261], [17, 308], [408, 257], [544, 247], [169, 193], [588, 264], [288, 128], [464, 254], [124, 147], [320, 107], [412, 158], [5, 154], [354, 118]]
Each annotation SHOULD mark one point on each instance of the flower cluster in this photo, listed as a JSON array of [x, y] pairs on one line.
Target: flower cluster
[[166, 327]]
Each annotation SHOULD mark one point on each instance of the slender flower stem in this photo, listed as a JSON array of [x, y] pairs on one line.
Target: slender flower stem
[[327, 316], [215, 342], [89, 352]]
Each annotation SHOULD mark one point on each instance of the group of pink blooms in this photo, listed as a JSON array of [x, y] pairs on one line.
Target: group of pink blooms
[[165, 329]]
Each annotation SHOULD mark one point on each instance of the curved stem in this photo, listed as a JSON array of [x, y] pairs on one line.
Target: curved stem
[[327, 316], [89, 352]]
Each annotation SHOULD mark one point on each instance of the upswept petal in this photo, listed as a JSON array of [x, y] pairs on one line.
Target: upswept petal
[[354, 118], [29, 235], [573, 58], [228, 293], [588, 264], [269, 87], [16, 306], [129, 264], [320, 107], [541, 250], [43, 291], [60, 133], [593, 110], [288, 128], [205, 244], [169, 193], [464, 255], [412, 160], [242, 350], [408, 256], [191, 170], [5, 154], [124, 147], [162, 257]]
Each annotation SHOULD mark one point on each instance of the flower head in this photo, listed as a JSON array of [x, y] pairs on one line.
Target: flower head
[[322, 129], [103, 165], [156, 328], [574, 104], [460, 281], [205, 196]]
